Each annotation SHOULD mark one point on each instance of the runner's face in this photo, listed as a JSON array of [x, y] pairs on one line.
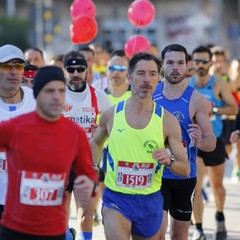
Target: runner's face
[[11, 78], [50, 100], [35, 58], [202, 63], [144, 78], [76, 76], [175, 66], [116, 72]]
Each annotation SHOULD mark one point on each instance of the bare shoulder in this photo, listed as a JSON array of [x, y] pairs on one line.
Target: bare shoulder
[[198, 99], [199, 103], [169, 120], [221, 83], [107, 116]]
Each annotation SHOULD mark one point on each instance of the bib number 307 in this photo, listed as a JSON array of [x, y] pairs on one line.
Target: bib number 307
[[42, 189]]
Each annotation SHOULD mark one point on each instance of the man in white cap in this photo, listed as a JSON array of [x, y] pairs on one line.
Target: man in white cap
[[14, 100]]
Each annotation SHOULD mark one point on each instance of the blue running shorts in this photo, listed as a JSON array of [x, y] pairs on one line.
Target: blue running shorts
[[145, 212]]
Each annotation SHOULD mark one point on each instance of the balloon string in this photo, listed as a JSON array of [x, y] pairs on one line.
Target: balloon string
[[136, 30]]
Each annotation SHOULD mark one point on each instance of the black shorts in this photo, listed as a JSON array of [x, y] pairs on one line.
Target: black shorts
[[216, 157], [1, 210], [178, 197], [227, 130], [8, 234]]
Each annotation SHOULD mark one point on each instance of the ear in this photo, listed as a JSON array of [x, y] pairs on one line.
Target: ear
[[128, 78]]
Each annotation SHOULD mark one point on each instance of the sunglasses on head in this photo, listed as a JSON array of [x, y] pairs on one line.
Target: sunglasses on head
[[10, 65], [79, 69], [117, 68], [204, 61]]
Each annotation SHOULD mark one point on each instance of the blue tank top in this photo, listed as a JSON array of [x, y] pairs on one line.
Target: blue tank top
[[208, 92], [180, 109]]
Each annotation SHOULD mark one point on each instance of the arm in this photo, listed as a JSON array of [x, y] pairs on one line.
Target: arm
[[236, 133], [101, 134], [87, 179], [201, 131], [223, 90], [172, 133]]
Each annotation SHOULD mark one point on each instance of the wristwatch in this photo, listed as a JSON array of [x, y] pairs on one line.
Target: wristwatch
[[215, 109], [171, 164]]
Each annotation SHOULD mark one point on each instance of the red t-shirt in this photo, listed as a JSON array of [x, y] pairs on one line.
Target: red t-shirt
[[40, 154]]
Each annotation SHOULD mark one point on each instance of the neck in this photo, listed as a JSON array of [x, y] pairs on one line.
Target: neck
[[14, 96], [201, 81], [173, 91], [118, 91]]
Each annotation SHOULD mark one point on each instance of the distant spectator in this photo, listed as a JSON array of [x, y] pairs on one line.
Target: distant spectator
[[35, 56], [28, 75], [57, 60], [92, 76]]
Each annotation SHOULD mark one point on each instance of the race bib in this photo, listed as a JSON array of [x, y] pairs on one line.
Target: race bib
[[3, 160], [42, 189], [134, 175]]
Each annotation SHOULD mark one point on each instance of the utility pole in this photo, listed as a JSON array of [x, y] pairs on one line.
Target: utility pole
[[11, 8], [39, 23]]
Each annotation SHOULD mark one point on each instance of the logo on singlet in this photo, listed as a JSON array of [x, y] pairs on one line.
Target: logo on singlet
[[83, 119], [180, 116], [67, 107], [150, 146]]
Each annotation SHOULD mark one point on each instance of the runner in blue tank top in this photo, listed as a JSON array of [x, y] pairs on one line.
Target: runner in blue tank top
[[192, 111], [218, 92]]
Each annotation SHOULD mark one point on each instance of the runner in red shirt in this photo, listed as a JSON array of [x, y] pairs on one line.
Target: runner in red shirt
[[41, 148]]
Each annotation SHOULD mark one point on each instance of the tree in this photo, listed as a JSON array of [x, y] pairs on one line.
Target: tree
[[15, 30]]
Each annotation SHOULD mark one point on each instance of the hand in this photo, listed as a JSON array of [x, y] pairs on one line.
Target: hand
[[195, 133], [83, 188], [234, 136], [162, 156]]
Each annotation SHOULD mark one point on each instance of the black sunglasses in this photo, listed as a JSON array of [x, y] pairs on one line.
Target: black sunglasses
[[203, 61], [79, 69]]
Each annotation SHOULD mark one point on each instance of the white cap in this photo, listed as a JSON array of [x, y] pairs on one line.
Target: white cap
[[8, 52]]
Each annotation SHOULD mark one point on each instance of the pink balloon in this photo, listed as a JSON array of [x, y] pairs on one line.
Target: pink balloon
[[136, 44], [82, 7], [83, 29], [141, 13]]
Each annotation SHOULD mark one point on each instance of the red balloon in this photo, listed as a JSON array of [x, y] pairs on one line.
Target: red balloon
[[82, 7], [141, 13], [83, 29], [136, 44]]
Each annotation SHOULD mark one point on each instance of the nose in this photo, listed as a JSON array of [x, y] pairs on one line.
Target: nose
[[147, 77], [75, 73]]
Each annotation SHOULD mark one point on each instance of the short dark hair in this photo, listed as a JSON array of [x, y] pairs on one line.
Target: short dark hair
[[35, 49], [174, 48], [143, 56], [30, 67], [203, 49], [118, 52], [87, 49], [57, 57]]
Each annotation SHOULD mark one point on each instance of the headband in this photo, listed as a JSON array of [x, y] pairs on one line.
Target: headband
[[75, 61], [29, 73]]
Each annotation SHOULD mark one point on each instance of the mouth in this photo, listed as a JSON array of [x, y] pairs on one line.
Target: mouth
[[146, 87], [174, 75], [13, 80]]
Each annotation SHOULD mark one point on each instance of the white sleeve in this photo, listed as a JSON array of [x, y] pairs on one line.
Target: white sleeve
[[102, 100]]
